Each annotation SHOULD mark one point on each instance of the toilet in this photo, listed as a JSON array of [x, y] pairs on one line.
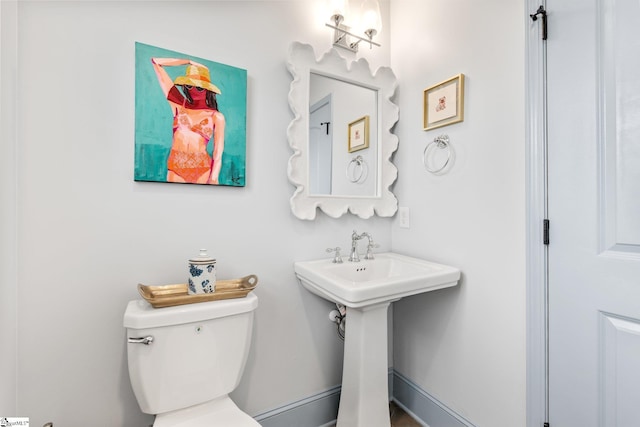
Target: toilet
[[185, 360]]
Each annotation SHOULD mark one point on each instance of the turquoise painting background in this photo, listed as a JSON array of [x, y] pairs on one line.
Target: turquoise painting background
[[154, 118]]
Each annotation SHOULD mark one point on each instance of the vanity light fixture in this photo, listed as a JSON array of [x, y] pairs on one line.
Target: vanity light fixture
[[369, 24]]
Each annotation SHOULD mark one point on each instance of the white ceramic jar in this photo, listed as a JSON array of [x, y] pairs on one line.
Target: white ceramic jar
[[202, 274]]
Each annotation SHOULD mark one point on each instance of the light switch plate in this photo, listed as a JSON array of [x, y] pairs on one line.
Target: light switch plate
[[403, 216]]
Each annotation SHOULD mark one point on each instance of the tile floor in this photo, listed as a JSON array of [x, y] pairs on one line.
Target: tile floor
[[399, 418]]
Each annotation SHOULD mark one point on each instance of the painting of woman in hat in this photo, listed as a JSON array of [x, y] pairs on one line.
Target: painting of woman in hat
[[196, 122]]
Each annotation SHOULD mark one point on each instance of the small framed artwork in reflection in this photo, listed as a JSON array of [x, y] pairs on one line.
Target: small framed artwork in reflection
[[359, 134]]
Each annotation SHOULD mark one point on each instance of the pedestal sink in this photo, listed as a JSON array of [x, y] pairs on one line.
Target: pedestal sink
[[367, 288]]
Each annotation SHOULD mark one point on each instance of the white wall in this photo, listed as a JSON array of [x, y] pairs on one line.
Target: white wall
[[87, 233], [465, 345]]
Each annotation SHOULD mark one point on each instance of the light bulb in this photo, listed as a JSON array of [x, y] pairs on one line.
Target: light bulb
[[370, 20], [338, 8]]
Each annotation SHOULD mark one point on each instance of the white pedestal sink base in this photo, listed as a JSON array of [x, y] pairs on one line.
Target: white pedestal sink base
[[364, 400]]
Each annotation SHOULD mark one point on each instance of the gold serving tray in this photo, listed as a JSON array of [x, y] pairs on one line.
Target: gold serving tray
[[170, 295]]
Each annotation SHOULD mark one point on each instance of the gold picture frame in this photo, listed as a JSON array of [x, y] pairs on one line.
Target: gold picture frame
[[443, 103], [359, 134]]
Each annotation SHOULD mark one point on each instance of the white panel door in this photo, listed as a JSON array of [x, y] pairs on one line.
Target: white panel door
[[594, 208]]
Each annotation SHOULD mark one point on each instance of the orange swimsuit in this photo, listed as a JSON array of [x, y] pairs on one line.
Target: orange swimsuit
[[189, 166]]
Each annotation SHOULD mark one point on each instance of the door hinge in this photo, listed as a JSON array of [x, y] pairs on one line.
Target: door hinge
[[326, 123], [543, 13], [545, 236]]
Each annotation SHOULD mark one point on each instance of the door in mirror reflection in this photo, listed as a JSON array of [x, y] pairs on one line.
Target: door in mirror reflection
[[329, 158], [320, 146]]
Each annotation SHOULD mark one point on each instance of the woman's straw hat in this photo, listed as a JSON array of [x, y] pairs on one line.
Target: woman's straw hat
[[197, 76]]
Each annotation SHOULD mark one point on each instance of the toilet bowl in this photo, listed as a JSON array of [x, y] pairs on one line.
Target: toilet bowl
[[185, 360]]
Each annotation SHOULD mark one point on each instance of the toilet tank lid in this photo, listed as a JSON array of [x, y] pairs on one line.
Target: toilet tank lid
[[141, 315]]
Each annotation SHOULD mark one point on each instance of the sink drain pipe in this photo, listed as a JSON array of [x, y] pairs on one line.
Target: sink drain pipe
[[339, 317]]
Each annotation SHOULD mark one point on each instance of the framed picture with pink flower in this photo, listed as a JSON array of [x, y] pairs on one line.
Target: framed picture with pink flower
[[444, 103], [359, 134]]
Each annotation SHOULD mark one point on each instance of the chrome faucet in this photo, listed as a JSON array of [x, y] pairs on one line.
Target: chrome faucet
[[353, 256]]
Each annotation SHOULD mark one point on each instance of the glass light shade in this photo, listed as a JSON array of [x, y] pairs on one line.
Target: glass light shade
[[370, 16], [338, 7]]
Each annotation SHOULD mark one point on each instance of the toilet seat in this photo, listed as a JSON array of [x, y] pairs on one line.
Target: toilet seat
[[216, 413]]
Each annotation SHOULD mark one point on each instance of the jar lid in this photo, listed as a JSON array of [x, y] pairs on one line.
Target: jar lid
[[203, 258]]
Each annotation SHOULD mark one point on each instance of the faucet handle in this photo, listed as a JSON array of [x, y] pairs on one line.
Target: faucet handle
[[337, 259], [370, 246]]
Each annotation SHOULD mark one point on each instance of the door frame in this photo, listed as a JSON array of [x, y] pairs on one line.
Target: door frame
[[9, 206], [536, 189]]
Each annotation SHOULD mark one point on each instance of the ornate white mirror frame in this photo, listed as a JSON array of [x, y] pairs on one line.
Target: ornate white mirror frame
[[302, 62]]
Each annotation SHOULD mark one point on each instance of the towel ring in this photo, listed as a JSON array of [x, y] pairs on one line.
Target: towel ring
[[441, 142], [358, 173]]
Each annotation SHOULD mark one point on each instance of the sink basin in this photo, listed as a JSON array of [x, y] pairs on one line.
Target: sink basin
[[388, 277]]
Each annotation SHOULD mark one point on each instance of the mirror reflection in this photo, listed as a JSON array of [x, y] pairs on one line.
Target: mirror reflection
[[343, 137]]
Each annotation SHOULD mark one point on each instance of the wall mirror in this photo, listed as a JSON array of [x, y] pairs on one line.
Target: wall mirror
[[341, 135]]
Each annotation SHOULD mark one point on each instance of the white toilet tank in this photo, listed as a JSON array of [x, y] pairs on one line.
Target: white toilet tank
[[197, 354]]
